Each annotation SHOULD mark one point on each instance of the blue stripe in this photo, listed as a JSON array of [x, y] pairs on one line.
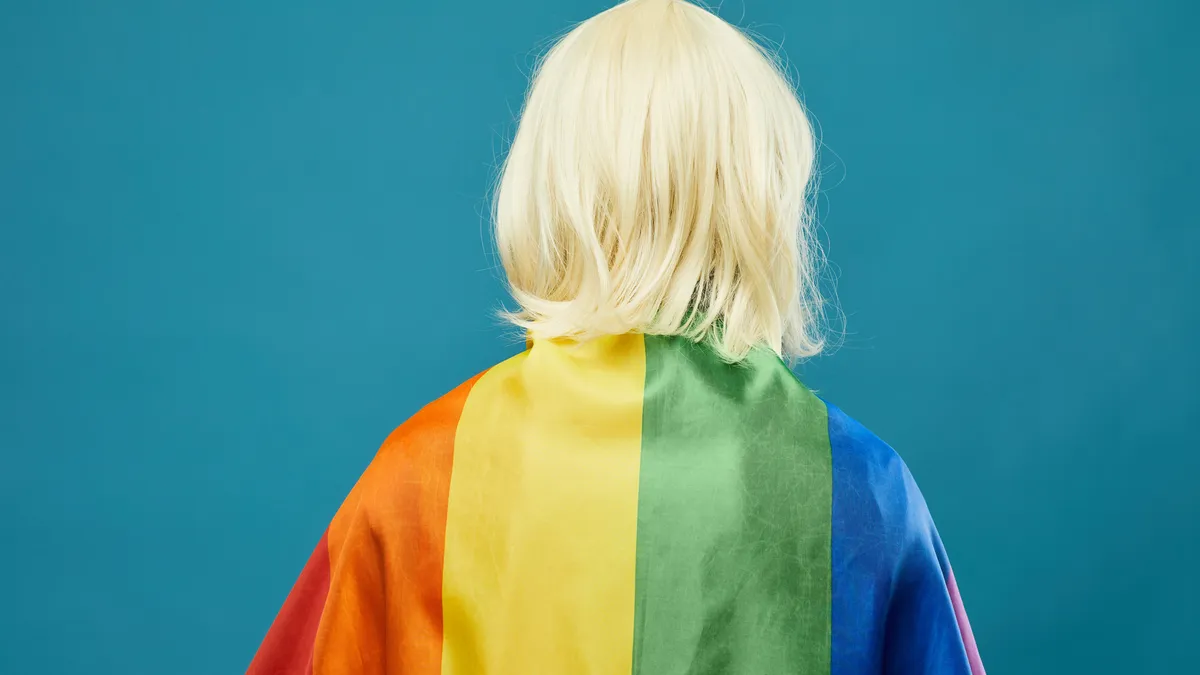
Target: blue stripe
[[891, 609]]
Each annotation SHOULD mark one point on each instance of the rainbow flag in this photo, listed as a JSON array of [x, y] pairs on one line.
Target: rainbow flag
[[632, 505]]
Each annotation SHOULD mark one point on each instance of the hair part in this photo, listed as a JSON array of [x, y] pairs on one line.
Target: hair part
[[659, 182]]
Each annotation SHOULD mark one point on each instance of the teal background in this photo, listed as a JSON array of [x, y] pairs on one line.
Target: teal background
[[241, 241]]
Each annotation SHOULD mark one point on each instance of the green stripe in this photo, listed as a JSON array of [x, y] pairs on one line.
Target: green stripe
[[733, 541]]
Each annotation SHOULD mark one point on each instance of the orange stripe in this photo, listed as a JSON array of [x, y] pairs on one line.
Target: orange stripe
[[386, 546]]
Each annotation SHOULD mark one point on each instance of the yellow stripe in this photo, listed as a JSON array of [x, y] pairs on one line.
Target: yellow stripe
[[542, 524]]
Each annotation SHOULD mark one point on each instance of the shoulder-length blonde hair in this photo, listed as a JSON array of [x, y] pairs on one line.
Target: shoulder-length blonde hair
[[659, 183]]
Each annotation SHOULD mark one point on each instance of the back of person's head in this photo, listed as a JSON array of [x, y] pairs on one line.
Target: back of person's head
[[659, 183]]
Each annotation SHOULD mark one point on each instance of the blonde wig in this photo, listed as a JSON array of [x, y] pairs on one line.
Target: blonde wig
[[659, 182]]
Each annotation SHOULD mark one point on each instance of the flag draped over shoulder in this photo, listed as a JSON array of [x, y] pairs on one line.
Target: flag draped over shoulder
[[632, 505]]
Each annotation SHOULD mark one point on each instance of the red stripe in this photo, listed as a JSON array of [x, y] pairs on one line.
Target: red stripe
[[288, 647]]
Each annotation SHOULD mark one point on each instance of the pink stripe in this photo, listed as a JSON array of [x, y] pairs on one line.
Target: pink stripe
[[964, 626]]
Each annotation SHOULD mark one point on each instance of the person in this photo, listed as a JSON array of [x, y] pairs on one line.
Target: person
[[647, 488]]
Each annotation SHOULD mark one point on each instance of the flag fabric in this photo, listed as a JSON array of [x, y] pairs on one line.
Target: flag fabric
[[629, 505]]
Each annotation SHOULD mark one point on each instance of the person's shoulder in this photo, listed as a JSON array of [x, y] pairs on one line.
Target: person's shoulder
[[424, 442], [416, 455], [413, 462], [857, 446], [431, 430], [431, 427], [874, 491]]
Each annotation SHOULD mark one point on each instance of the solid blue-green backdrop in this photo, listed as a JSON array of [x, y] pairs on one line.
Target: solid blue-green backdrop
[[241, 241]]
